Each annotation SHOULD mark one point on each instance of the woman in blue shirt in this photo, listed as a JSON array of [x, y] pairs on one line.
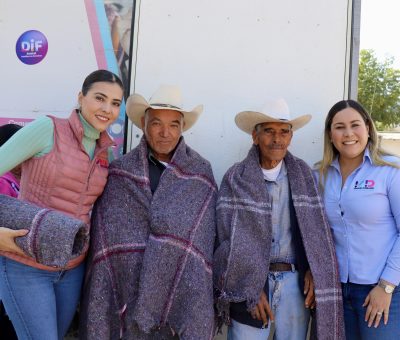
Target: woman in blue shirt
[[361, 190]]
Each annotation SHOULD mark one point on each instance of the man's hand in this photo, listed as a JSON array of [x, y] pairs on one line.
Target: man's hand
[[377, 303], [262, 311], [309, 301], [7, 240]]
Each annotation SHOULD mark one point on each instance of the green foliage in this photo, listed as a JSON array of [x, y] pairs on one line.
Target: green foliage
[[379, 89]]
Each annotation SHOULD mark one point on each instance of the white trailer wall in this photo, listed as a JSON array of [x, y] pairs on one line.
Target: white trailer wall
[[51, 86], [79, 42], [234, 55]]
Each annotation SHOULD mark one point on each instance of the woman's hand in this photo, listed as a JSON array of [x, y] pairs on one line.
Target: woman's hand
[[377, 303], [7, 240]]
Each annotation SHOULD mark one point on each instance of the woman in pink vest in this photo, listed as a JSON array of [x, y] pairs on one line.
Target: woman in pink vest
[[64, 167], [9, 182], [9, 185]]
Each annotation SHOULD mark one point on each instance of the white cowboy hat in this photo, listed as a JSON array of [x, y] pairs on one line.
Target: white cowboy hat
[[274, 111], [167, 97]]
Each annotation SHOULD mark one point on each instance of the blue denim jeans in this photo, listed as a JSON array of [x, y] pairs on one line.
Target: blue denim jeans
[[354, 313], [40, 303], [287, 303]]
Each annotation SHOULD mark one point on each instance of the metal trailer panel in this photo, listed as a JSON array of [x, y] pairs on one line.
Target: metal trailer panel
[[234, 55]]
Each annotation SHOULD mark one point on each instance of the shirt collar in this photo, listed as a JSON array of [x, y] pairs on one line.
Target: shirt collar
[[367, 157], [282, 172], [88, 130], [154, 160], [151, 157]]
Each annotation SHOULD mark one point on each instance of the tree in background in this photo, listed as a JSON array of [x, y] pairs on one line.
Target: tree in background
[[379, 89]]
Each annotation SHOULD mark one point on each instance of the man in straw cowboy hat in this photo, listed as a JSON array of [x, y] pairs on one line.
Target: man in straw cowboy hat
[[149, 273], [275, 259]]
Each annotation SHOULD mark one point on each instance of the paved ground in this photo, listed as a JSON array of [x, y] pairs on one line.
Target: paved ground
[[218, 337], [221, 336], [73, 336]]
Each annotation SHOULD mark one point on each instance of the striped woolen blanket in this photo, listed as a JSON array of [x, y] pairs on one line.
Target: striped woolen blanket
[[150, 260], [53, 239], [241, 260]]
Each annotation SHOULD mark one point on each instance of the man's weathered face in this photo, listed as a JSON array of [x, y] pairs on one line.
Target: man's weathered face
[[273, 140], [162, 129]]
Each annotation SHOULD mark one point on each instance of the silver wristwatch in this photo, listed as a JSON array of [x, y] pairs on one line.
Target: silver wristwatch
[[387, 288]]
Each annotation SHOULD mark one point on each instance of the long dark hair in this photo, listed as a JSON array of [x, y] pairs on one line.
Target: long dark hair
[[6, 132], [99, 76]]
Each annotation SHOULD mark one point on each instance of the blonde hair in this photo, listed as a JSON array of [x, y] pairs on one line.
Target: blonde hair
[[330, 152]]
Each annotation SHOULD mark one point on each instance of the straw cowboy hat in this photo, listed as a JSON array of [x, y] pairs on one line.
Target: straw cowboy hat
[[167, 97], [274, 111]]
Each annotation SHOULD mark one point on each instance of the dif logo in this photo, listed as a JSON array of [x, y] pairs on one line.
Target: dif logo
[[31, 47], [365, 184]]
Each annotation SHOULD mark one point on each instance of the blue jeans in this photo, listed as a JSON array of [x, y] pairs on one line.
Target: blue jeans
[[40, 303], [354, 314], [287, 303]]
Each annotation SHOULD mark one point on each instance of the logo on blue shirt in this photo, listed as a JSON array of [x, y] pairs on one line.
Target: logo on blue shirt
[[365, 184]]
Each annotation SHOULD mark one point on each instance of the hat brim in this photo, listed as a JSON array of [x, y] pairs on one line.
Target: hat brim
[[136, 106], [247, 120]]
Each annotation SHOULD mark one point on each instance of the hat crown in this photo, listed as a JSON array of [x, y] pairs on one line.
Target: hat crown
[[168, 95], [276, 109]]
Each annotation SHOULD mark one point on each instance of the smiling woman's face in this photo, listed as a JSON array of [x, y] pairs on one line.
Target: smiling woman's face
[[349, 134], [101, 104]]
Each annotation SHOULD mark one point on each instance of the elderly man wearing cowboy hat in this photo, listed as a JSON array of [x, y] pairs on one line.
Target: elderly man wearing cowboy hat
[[275, 259], [149, 272]]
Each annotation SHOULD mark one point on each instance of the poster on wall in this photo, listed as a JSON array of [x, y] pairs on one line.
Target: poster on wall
[[50, 47]]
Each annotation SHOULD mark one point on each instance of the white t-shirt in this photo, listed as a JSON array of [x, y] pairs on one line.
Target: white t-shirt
[[272, 174]]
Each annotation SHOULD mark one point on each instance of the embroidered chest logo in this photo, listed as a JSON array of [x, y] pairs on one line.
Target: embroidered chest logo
[[365, 184], [102, 162]]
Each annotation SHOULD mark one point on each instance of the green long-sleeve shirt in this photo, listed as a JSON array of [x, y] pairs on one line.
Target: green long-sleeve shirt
[[37, 139]]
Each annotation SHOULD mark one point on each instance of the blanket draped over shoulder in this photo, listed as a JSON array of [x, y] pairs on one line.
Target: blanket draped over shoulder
[[53, 239], [150, 260], [244, 230]]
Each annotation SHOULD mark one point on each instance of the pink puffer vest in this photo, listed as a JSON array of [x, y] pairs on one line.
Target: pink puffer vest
[[65, 179]]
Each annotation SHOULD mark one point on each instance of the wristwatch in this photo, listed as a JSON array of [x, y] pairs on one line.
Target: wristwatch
[[387, 288]]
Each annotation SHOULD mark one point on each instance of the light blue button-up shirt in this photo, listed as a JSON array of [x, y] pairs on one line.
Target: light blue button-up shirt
[[364, 216], [282, 248]]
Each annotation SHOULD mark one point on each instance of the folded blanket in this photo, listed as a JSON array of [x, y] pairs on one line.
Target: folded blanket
[[241, 260], [53, 239], [149, 268]]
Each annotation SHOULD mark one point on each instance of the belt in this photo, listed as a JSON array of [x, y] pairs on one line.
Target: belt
[[282, 267]]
